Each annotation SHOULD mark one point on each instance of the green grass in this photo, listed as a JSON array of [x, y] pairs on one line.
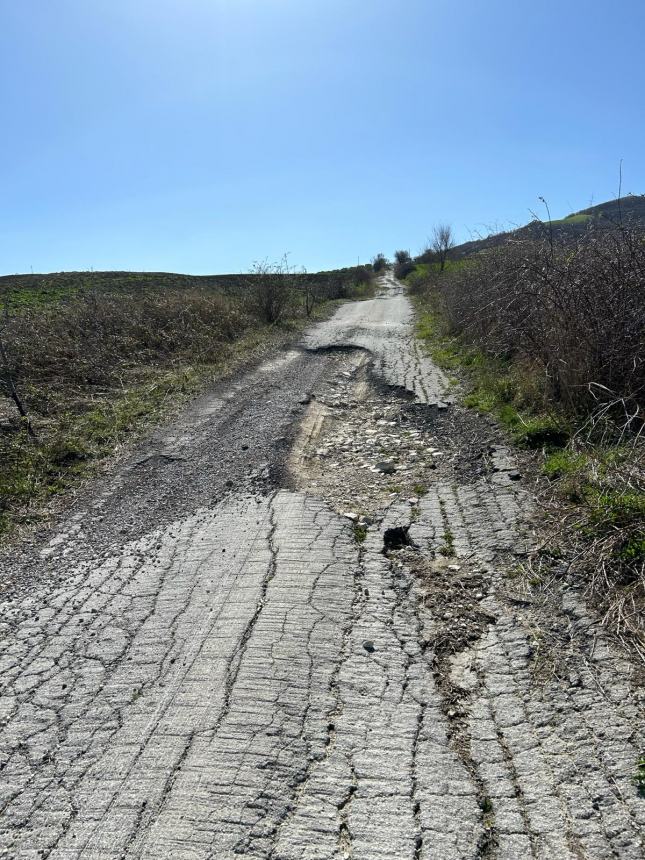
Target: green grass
[[564, 463], [17, 299], [494, 386], [447, 549], [580, 218], [34, 471], [360, 533], [611, 509]]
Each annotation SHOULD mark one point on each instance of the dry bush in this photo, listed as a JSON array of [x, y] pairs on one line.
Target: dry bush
[[442, 242], [403, 265], [271, 288], [380, 263], [362, 275], [403, 270], [87, 341], [418, 283], [575, 311], [402, 257], [595, 531]]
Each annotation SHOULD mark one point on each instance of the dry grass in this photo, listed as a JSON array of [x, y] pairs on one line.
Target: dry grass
[[573, 311], [595, 532], [91, 365]]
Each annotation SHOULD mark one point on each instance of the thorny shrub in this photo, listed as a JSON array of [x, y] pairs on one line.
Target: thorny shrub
[[86, 341], [573, 311]]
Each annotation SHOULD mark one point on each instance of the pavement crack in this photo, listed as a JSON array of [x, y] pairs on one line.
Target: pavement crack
[[345, 843], [235, 661]]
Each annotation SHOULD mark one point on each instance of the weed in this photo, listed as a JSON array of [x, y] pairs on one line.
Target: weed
[[448, 547], [420, 489], [360, 532], [563, 463], [639, 776]]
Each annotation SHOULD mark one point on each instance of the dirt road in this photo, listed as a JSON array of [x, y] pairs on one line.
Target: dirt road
[[292, 625]]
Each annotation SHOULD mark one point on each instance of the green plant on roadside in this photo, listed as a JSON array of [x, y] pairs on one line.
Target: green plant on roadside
[[360, 532], [639, 776], [447, 549], [564, 463]]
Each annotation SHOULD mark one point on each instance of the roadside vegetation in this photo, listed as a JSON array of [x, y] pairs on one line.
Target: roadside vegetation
[[88, 359], [548, 335]]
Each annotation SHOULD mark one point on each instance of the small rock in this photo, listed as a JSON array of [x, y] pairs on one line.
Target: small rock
[[369, 646], [454, 567], [349, 515], [386, 467], [514, 475]]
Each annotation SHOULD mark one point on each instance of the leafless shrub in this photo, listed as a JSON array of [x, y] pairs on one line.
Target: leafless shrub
[[271, 287], [573, 310], [442, 242], [8, 386], [88, 340], [363, 275], [417, 283]]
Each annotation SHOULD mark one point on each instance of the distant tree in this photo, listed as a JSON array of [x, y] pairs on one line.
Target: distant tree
[[380, 262], [402, 257], [442, 242], [403, 265]]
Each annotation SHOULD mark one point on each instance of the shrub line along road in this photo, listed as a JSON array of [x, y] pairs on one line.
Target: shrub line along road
[[208, 659]]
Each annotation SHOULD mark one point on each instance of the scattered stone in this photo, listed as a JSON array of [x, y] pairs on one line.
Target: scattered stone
[[369, 646]]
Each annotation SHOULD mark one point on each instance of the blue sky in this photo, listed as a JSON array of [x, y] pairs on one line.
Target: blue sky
[[201, 135]]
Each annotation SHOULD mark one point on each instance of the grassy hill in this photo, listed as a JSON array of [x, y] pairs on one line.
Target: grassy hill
[[630, 210], [32, 290]]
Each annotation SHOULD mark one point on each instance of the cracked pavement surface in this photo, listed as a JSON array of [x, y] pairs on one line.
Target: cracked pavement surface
[[211, 654]]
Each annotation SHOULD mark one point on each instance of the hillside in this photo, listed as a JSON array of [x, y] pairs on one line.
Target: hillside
[[28, 289], [631, 209]]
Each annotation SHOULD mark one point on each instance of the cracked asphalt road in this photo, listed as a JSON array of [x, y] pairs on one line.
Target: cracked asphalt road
[[205, 659]]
